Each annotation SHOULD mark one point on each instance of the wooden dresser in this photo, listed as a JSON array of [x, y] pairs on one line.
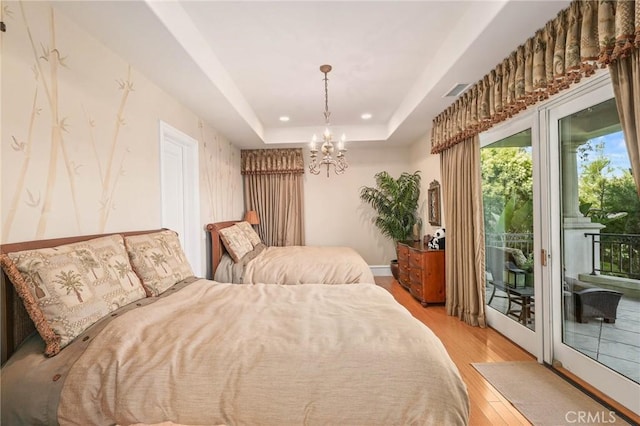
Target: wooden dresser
[[421, 271]]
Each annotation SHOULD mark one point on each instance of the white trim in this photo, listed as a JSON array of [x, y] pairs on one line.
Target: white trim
[[512, 329], [191, 240], [380, 270]]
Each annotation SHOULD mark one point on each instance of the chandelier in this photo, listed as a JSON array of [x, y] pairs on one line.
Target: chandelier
[[327, 148]]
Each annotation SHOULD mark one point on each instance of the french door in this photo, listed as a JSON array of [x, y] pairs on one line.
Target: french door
[[562, 238], [510, 197], [594, 239]]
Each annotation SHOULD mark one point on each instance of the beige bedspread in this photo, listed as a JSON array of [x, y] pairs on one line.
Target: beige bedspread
[[308, 264], [266, 355]]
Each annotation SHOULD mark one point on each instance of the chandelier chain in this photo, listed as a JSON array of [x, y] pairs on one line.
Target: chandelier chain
[[326, 99]]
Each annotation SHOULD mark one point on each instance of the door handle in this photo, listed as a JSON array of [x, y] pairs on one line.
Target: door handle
[[543, 257]]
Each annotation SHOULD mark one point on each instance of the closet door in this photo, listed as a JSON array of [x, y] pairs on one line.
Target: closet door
[[180, 192]]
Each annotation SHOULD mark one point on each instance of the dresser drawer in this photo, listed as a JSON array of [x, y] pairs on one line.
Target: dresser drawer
[[415, 276], [416, 291], [403, 276], [415, 260], [403, 253]]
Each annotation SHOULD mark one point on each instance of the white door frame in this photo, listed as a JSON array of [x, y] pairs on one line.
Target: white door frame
[[601, 377], [191, 240], [546, 343], [523, 336]]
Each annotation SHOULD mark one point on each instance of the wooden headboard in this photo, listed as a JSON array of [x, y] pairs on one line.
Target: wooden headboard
[[217, 247], [15, 324]]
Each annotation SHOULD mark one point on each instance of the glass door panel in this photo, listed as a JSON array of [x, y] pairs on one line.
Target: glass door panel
[[507, 191], [597, 296]]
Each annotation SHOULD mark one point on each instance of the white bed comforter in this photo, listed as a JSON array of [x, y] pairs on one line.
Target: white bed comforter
[[266, 355]]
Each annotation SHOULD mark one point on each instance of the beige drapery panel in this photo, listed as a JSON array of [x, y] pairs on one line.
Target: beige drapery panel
[[273, 187], [465, 278], [625, 74]]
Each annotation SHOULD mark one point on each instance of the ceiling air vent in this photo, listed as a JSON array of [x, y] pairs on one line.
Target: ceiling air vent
[[456, 90]]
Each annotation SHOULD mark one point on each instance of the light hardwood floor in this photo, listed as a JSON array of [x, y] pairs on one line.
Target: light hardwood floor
[[466, 345]]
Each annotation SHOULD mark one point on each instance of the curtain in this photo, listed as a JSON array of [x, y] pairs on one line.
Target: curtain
[[586, 35], [625, 74], [465, 278], [273, 187]]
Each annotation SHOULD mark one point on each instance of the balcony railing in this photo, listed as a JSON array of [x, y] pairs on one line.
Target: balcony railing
[[618, 254], [523, 242]]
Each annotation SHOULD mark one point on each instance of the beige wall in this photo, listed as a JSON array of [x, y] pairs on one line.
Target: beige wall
[[104, 107], [334, 214], [80, 142], [429, 164]]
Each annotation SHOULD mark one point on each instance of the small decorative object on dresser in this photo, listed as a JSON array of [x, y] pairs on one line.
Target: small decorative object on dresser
[[422, 271]]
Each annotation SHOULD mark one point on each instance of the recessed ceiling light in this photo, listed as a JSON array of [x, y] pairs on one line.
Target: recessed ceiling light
[[366, 116], [284, 118]]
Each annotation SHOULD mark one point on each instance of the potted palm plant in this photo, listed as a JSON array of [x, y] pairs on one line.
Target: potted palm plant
[[396, 202]]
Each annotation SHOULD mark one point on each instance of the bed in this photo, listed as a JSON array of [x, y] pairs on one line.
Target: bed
[[204, 352], [249, 261]]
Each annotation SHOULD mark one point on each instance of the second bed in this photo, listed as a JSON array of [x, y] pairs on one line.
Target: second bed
[[281, 265]]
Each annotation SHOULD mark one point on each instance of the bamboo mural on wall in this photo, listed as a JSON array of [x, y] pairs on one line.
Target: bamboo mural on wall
[[48, 61], [49, 54], [110, 183], [80, 151], [221, 169]]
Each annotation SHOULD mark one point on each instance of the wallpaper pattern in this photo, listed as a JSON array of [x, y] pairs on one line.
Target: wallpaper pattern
[[80, 149]]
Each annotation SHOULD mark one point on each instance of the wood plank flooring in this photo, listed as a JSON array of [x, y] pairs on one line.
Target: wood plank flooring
[[466, 345]]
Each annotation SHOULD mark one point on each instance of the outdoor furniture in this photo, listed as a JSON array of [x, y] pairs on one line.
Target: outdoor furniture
[[521, 303], [596, 303]]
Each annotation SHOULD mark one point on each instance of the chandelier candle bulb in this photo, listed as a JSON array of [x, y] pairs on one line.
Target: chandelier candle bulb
[[341, 143]]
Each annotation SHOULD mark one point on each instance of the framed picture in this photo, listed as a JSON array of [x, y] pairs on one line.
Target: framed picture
[[433, 201]]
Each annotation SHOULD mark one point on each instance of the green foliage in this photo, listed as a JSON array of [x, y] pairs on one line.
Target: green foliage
[[396, 202], [507, 190], [608, 194]]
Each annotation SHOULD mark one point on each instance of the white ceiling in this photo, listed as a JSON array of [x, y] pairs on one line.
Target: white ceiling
[[240, 65]]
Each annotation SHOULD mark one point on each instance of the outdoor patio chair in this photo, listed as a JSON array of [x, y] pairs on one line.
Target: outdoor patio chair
[[596, 303]]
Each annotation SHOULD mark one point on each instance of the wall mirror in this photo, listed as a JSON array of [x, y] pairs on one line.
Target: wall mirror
[[433, 201]]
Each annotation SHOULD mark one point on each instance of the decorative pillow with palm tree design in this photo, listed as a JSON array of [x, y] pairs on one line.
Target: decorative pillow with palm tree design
[[236, 242], [158, 260], [249, 232], [67, 288]]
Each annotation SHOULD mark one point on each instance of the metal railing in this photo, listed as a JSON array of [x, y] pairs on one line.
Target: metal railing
[[523, 242], [618, 254]]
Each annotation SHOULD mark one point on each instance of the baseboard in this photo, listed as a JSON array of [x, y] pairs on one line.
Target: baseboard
[[380, 270]]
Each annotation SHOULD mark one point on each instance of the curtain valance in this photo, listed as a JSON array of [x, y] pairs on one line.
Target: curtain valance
[[586, 35], [272, 161]]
